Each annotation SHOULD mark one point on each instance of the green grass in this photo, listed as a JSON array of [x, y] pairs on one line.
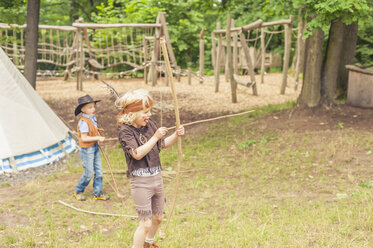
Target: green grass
[[242, 185]]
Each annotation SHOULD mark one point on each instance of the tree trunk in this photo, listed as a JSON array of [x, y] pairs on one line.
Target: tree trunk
[[332, 60], [310, 94], [31, 54], [347, 58], [299, 56]]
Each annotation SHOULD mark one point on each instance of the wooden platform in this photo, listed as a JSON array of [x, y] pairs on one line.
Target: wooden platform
[[360, 87]]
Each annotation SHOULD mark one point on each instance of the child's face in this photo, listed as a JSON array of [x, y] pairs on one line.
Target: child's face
[[89, 108], [142, 118]]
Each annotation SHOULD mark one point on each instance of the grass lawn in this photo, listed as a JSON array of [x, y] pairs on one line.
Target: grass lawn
[[243, 184]]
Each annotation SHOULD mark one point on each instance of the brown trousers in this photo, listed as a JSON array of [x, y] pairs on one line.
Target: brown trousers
[[148, 195]]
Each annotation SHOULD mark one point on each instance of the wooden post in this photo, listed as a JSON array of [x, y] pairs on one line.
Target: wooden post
[[153, 69], [201, 56], [288, 31], [213, 54], [90, 52], [81, 60], [22, 50], [70, 56], [166, 76], [169, 46], [189, 76], [178, 73], [79, 57], [226, 61], [235, 51], [230, 60], [249, 62], [43, 48], [167, 38], [179, 145], [217, 60], [15, 49], [263, 52], [145, 59]]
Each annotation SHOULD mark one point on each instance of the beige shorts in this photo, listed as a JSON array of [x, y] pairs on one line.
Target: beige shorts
[[148, 195]]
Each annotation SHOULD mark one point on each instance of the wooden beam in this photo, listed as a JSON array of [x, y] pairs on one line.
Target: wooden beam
[[213, 55], [189, 76], [235, 52], [223, 31], [145, 59], [257, 24], [249, 63], [358, 69], [217, 61], [24, 26], [263, 53], [153, 68], [167, 39], [254, 25], [241, 81], [279, 22], [230, 60], [118, 25], [201, 56]]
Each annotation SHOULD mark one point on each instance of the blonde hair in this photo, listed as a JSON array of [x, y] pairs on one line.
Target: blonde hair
[[141, 98]]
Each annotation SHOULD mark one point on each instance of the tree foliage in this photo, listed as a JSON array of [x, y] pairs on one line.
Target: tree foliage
[[322, 12], [13, 11], [187, 18]]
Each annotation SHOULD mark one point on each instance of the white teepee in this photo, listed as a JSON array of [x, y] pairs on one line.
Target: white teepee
[[31, 134]]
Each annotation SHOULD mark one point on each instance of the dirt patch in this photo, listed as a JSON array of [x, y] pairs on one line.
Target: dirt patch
[[322, 117], [199, 101], [196, 101]]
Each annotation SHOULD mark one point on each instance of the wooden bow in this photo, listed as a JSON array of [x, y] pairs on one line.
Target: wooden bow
[[177, 116]]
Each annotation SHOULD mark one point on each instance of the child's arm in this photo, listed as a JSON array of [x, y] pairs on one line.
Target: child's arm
[[170, 140], [141, 151], [84, 129], [86, 138]]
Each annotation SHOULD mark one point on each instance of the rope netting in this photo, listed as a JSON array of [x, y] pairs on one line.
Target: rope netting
[[271, 59], [254, 44], [56, 46], [122, 50], [113, 51]]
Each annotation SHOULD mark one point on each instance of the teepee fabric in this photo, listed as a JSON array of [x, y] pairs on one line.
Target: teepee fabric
[[29, 129]]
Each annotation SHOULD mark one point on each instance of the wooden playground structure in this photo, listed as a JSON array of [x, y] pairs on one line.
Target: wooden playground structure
[[249, 58], [89, 49]]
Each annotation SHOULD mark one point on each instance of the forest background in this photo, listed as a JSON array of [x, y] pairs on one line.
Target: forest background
[[186, 19]]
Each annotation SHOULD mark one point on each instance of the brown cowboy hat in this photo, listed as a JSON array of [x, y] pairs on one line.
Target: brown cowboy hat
[[83, 101]]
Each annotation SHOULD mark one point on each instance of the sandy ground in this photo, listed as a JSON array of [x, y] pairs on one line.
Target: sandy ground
[[195, 97]]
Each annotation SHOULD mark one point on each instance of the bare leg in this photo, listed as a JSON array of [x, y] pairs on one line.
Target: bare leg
[[141, 232], [156, 221]]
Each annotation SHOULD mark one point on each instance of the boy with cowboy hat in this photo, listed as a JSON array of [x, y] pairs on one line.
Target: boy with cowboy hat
[[89, 133]]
